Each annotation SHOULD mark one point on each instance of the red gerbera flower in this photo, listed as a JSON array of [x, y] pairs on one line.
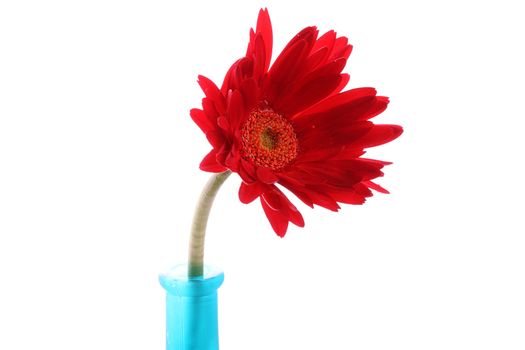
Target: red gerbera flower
[[290, 124]]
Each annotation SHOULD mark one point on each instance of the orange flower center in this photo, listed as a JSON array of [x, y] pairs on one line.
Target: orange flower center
[[268, 139]]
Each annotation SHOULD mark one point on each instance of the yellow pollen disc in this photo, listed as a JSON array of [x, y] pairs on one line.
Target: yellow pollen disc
[[268, 140]]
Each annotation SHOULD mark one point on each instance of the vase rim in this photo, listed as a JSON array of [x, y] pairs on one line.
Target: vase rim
[[176, 281]]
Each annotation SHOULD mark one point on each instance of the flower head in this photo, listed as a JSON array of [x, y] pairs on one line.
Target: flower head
[[291, 125]]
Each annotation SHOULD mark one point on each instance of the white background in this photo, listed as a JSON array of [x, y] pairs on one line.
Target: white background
[[99, 175]]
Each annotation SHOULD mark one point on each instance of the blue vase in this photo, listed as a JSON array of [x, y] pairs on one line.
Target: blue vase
[[191, 309]]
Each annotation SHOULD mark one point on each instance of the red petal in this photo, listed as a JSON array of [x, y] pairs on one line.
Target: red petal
[[297, 176], [273, 199], [333, 68], [346, 153], [202, 120], [326, 40], [262, 35], [249, 92], [264, 27], [294, 215], [249, 192], [266, 175], [328, 153], [233, 158], [296, 218], [212, 91], [312, 92], [284, 68], [215, 138], [344, 99], [363, 190], [376, 187], [341, 121], [375, 161], [345, 195], [367, 169], [259, 59], [333, 172], [345, 78], [296, 189], [289, 63], [240, 70], [310, 89], [235, 109], [341, 49], [210, 164], [322, 199], [308, 34], [243, 71], [277, 220], [229, 80], [338, 136], [247, 172], [209, 108], [378, 135], [315, 59], [310, 194], [223, 123], [279, 211]]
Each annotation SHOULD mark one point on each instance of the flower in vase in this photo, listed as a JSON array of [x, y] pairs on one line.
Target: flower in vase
[[292, 125]]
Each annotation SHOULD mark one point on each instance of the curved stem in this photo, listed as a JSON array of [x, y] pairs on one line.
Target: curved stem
[[200, 220]]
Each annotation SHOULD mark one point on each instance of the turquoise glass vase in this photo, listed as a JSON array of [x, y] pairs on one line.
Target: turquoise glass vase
[[191, 309]]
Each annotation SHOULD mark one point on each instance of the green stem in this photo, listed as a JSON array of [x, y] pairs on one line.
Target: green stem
[[200, 220]]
